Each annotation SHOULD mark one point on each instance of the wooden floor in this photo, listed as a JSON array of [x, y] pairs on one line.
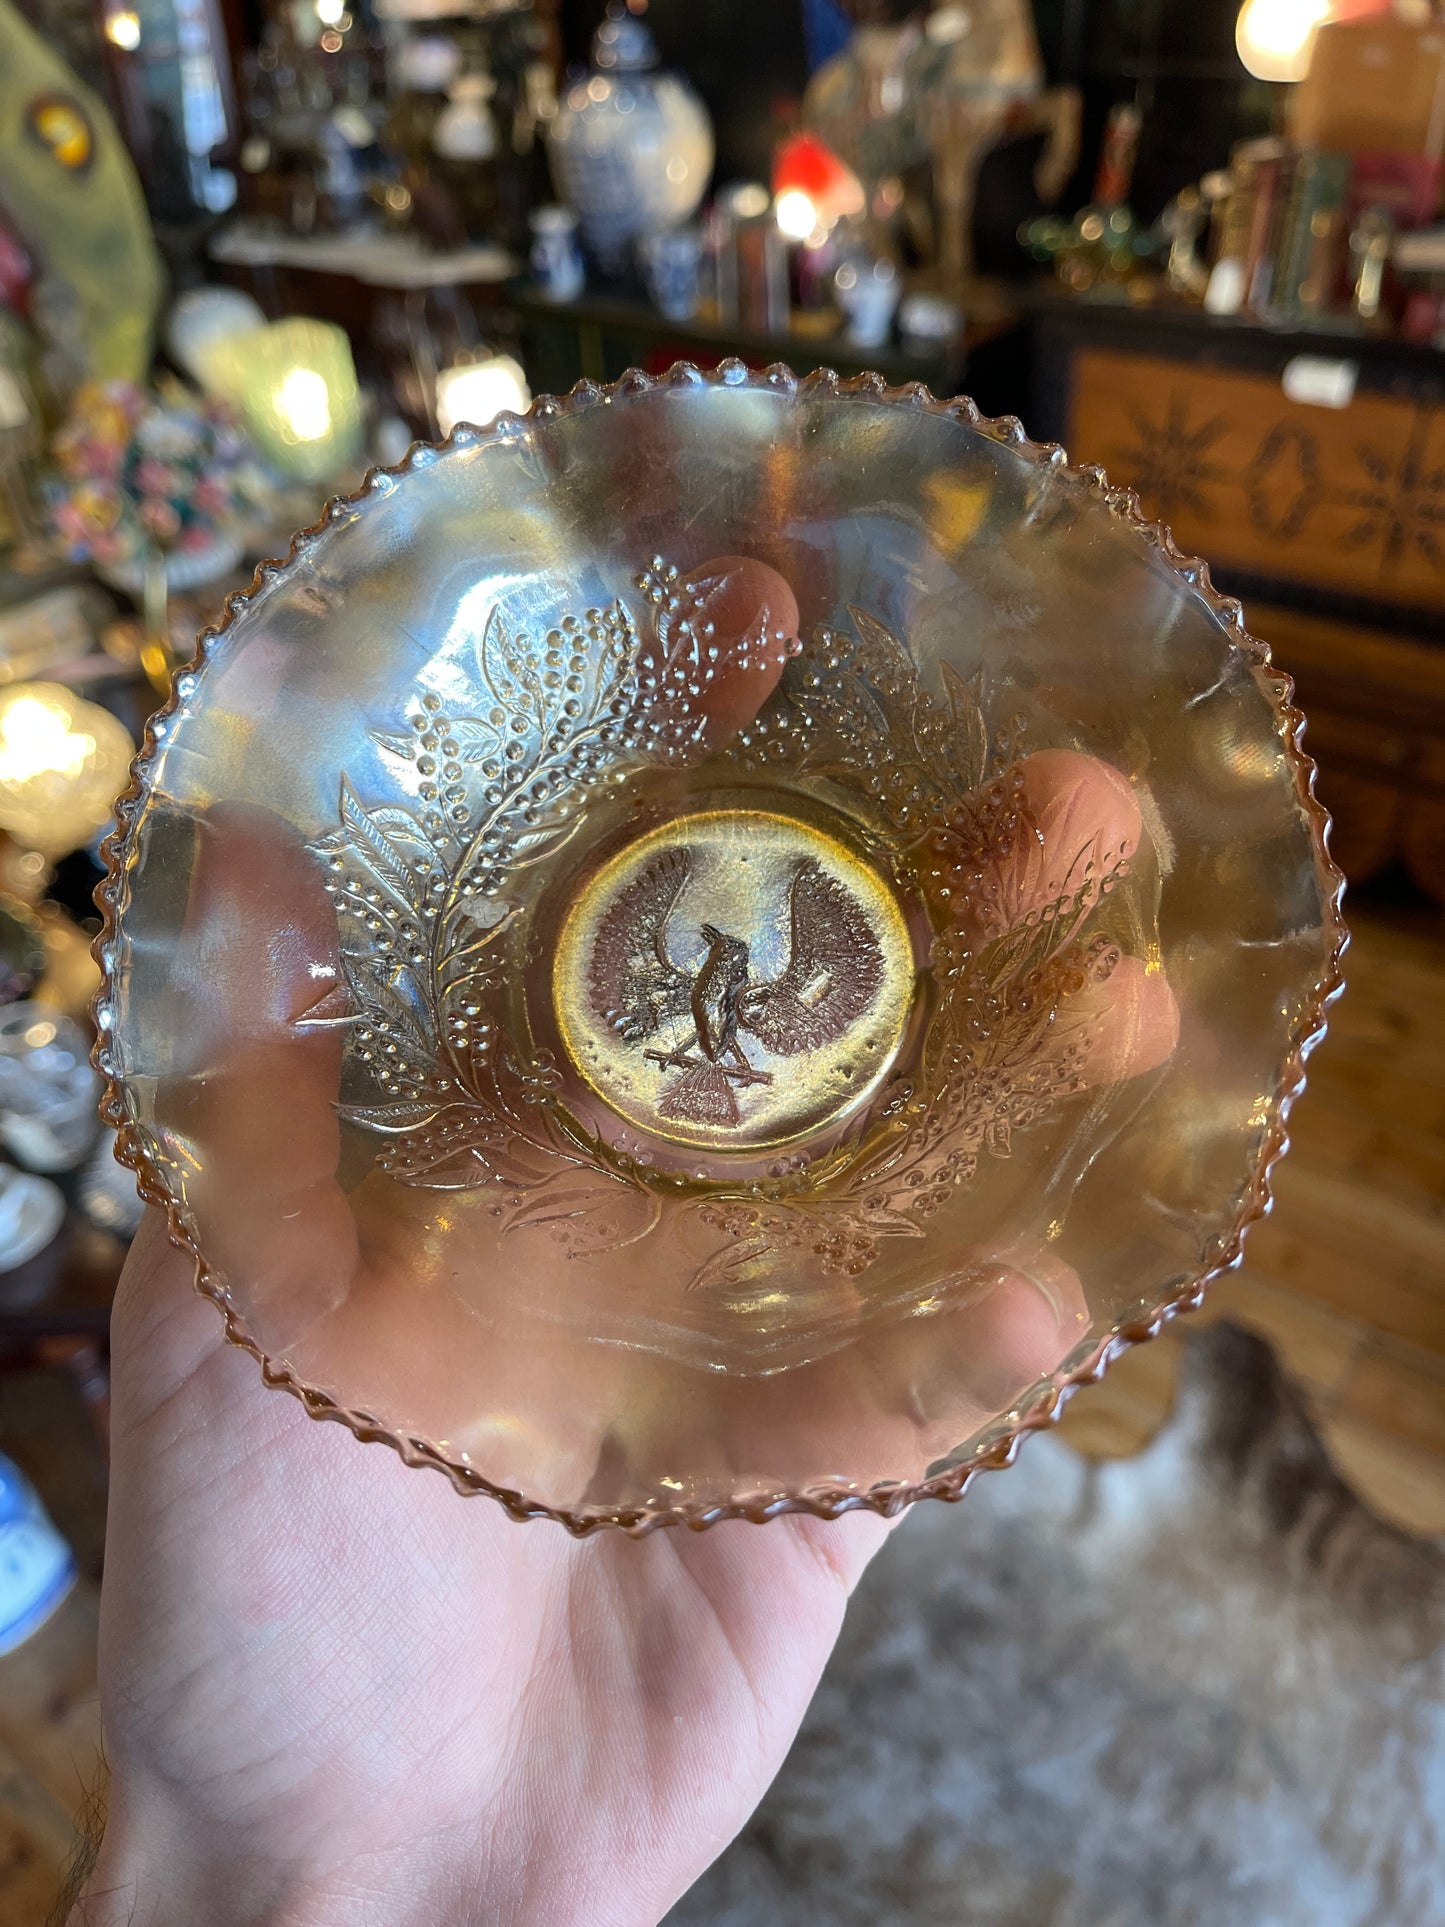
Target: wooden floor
[[1347, 1279]]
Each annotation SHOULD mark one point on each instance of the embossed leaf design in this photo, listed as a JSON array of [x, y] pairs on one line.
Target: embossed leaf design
[[889, 651], [401, 746], [476, 741], [891, 659], [536, 846], [966, 742], [731, 1263], [377, 836], [506, 667], [884, 1221], [389, 1118], [593, 1212], [377, 993]]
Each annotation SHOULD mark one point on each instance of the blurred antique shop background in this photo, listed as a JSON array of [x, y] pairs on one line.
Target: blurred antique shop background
[[250, 247]]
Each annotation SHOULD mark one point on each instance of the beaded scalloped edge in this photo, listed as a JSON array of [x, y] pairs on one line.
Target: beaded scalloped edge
[[1047, 1404]]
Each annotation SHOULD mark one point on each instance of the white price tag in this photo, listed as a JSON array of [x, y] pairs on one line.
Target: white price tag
[[1225, 292], [1320, 382]]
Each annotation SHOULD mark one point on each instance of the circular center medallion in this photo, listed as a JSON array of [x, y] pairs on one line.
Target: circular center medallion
[[733, 979]]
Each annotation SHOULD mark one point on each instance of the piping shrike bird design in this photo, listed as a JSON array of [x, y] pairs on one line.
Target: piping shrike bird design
[[833, 973]]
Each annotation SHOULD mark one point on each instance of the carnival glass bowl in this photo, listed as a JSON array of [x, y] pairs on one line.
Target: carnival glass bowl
[[713, 948]]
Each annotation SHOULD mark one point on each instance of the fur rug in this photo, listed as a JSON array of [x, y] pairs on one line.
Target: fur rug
[[1201, 1687]]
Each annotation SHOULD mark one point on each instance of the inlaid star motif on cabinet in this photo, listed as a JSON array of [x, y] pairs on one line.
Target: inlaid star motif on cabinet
[[1402, 505], [1168, 462]]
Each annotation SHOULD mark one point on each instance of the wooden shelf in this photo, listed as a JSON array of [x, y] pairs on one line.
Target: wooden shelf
[[600, 335]]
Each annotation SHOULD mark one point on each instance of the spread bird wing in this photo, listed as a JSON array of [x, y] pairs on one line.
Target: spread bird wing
[[834, 969], [634, 985]]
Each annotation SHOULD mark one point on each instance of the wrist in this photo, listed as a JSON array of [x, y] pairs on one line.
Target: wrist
[[147, 1871], [155, 1867], [164, 1862], [164, 1866]]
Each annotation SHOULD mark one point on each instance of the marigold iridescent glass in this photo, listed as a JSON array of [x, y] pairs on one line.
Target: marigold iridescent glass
[[715, 947]]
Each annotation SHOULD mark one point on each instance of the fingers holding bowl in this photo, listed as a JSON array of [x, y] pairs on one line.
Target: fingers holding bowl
[[1050, 830], [1038, 850], [913, 1385], [1058, 829], [722, 635]]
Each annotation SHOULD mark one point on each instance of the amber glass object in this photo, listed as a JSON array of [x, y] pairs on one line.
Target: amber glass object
[[715, 947]]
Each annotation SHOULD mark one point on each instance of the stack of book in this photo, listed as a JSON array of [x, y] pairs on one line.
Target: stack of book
[[1281, 233]]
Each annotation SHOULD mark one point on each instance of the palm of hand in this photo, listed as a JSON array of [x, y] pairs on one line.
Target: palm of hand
[[329, 1678]]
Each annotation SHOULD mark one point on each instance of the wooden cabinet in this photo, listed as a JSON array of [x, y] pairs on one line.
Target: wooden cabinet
[[1348, 498], [1328, 522], [1376, 709]]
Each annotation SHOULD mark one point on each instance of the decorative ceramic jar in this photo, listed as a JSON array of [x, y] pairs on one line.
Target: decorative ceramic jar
[[556, 259], [466, 128], [868, 294], [37, 1567], [631, 149], [672, 266]]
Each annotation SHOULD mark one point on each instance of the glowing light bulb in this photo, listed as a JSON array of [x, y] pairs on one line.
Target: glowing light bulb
[[795, 214], [36, 736], [480, 391], [123, 30], [1273, 37], [813, 186], [62, 761], [329, 12], [303, 402]]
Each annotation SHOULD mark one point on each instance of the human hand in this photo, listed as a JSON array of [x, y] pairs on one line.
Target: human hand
[[332, 1690]]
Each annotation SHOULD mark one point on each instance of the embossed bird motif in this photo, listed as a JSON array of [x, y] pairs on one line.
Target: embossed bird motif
[[834, 969]]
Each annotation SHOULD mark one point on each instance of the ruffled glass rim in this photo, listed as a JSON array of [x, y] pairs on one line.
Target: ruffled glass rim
[[1046, 1403]]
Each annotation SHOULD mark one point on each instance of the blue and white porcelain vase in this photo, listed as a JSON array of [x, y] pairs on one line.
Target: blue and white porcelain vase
[[37, 1567], [557, 270], [631, 149], [672, 267]]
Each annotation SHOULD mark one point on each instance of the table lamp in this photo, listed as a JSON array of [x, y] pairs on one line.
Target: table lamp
[[62, 763], [295, 384]]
